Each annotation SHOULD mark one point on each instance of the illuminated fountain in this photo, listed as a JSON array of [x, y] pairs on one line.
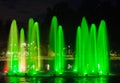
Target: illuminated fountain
[[56, 42], [33, 49], [102, 49], [22, 55], [90, 58], [13, 49]]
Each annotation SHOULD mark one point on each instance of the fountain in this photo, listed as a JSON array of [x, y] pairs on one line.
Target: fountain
[[60, 55], [13, 49], [56, 42], [34, 50], [90, 58], [102, 49], [22, 56]]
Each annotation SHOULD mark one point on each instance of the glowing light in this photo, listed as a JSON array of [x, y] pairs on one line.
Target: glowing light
[[48, 67], [101, 72], [85, 73], [91, 49], [93, 71], [69, 66]]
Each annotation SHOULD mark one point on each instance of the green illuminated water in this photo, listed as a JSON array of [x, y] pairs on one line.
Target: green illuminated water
[[78, 54], [84, 46], [30, 28], [13, 49], [53, 40], [102, 49], [34, 50], [60, 56], [56, 43], [91, 55], [91, 50], [13, 79], [22, 55], [53, 34]]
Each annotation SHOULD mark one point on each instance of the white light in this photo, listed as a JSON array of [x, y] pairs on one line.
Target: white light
[[69, 66], [98, 66], [48, 67], [101, 72]]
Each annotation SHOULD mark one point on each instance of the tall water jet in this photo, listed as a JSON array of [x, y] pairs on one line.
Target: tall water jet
[[53, 39], [34, 50], [30, 28], [78, 60], [102, 49], [60, 55], [12, 51], [22, 54], [85, 44], [92, 54]]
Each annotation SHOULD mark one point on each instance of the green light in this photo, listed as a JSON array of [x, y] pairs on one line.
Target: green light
[[13, 48], [85, 73], [102, 48], [91, 54], [84, 45], [78, 56], [93, 71], [58, 80], [100, 71], [14, 71], [60, 57], [91, 49], [53, 40], [22, 56], [57, 46], [75, 70], [34, 48]]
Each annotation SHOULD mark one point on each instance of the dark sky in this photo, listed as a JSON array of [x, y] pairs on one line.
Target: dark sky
[[21, 10]]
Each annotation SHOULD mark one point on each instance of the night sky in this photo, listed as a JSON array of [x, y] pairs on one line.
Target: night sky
[[94, 10], [23, 9]]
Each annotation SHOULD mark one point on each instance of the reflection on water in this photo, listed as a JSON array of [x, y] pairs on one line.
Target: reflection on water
[[59, 80], [4, 79], [92, 80], [15, 79]]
